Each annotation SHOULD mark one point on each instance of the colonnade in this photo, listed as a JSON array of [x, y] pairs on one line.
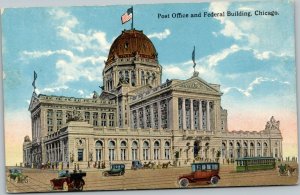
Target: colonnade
[[57, 151], [195, 114]]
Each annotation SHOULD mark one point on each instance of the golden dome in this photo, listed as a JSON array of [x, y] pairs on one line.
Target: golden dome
[[129, 44]]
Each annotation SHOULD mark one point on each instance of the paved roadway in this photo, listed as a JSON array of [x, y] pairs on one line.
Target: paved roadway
[[150, 179]]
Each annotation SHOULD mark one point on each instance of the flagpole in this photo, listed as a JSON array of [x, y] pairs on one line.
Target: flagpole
[[132, 19]]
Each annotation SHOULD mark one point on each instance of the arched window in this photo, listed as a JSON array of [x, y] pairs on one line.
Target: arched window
[[224, 155], [123, 150], [238, 149], [265, 152], [251, 149], [147, 77], [206, 151], [143, 78], [146, 150], [111, 150], [127, 76], [167, 150], [230, 150], [156, 150], [99, 150], [134, 150]]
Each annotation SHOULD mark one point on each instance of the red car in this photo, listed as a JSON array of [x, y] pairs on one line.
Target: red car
[[68, 181], [207, 172]]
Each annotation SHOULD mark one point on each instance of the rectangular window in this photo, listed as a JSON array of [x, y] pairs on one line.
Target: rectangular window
[[95, 119], [80, 154], [87, 117]]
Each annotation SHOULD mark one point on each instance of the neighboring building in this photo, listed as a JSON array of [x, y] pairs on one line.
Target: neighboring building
[[137, 117]]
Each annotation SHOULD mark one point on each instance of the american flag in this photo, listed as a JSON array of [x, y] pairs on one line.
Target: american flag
[[127, 15]]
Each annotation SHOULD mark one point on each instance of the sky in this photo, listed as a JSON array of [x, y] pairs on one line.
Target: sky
[[252, 58]]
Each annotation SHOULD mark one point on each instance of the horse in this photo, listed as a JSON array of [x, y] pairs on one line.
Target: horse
[[291, 170], [148, 165], [165, 165]]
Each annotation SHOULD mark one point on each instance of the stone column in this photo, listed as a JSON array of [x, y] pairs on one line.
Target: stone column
[[200, 115], [173, 113], [162, 150], [152, 116], [249, 146], [140, 147], [117, 150], [207, 116], [144, 117], [137, 118], [129, 72], [255, 148], [105, 151], [129, 154], [192, 114], [131, 120], [262, 148], [151, 150], [183, 114], [159, 115]]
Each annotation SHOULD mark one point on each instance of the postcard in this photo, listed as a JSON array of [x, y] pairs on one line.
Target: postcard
[[156, 96]]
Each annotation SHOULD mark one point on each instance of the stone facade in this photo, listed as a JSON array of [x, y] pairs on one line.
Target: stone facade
[[137, 118]]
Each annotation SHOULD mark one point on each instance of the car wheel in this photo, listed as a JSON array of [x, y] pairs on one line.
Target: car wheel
[[105, 174], [26, 180], [16, 179], [80, 186], [184, 182], [121, 173], [214, 180], [65, 186], [51, 185]]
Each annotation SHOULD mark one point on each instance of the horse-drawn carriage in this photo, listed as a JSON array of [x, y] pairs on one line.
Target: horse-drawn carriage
[[286, 170], [17, 176]]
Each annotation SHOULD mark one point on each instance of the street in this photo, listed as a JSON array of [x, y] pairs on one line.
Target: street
[[149, 179]]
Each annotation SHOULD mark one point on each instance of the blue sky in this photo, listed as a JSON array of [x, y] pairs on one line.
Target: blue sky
[[252, 58]]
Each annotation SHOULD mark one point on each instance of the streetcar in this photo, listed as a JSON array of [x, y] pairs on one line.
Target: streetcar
[[255, 163]]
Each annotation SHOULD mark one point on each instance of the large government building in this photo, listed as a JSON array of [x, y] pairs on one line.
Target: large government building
[[139, 117]]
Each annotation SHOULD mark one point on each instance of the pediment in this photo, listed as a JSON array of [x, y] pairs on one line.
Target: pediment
[[197, 85], [141, 90], [34, 101], [107, 95]]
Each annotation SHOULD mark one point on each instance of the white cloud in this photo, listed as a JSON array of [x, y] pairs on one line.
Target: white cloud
[[160, 35], [89, 95], [72, 68], [80, 91], [38, 54], [256, 82], [214, 59], [53, 89], [95, 40]]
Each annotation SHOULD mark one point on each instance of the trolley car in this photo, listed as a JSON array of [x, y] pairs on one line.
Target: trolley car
[[255, 163]]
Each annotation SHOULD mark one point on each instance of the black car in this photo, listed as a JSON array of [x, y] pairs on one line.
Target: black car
[[115, 169]]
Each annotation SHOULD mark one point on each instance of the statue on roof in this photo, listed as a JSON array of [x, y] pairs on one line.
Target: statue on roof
[[272, 124], [74, 115]]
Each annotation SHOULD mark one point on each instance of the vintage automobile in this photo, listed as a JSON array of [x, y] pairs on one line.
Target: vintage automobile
[[68, 181], [17, 176], [136, 164], [115, 169], [201, 172]]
